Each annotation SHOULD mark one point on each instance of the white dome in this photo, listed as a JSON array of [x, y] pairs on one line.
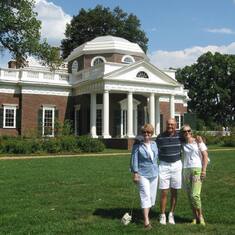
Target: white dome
[[107, 44]]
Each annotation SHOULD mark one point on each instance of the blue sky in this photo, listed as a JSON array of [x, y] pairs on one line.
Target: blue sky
[[179, 31]]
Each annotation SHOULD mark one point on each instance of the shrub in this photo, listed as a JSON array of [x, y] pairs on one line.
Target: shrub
[[88, 144], [51, 145], [229, 141], [69, 143]]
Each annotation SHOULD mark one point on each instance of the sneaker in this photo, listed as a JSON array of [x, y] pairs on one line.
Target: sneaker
[[202, 221], [162, 219], [171, 219]]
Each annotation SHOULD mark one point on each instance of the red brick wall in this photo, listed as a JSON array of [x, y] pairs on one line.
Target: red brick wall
[[31, 104]]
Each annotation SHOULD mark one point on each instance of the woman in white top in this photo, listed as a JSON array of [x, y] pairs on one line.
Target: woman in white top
[[194, 171]]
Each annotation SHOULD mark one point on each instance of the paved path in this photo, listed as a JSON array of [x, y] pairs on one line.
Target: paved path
[[86, 155]]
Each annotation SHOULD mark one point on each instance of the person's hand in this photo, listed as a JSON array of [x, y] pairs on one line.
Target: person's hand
[[136, 178], [203, 175], [199, 139]]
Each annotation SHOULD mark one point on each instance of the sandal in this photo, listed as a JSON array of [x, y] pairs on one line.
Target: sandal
[[148, 226]]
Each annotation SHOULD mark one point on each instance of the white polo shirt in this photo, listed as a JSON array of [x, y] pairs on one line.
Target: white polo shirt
[[192, 154]]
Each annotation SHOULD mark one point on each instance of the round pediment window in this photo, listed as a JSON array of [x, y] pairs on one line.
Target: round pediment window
[[142, 74], [74, 66]]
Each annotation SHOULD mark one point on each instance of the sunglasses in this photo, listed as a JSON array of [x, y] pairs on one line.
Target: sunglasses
[[186, 131], [146, 132]]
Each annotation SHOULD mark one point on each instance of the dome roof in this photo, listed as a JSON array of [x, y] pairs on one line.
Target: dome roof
[[107, 44]]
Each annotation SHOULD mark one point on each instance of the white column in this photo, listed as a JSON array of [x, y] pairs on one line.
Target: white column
[[93, 116], [157, 111], [151, 110], [135, 121], [121, 123], [172, 106], [105, 124], [130, 115]]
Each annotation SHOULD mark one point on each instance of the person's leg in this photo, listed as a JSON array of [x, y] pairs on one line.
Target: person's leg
[[153, 190], [196, 194], [146, 216], [164, 193], [145, 198], [173, 199]]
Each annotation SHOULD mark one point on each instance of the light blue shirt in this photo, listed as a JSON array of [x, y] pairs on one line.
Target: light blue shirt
[[141, 161]]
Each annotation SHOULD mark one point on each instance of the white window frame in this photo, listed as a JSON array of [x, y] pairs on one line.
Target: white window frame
[[178, 124], [12, 107], [74, 66], [97, 57], [128, 56], [53, 120]]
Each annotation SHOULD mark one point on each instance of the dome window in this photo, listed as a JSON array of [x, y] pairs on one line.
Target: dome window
[[97, 60], [142, 74], [127, 59], [74, 66]]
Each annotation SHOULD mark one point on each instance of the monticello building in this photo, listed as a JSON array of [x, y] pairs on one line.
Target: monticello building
[[108, 90]]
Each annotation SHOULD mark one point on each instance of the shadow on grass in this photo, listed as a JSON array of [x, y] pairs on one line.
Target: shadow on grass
[[137, 216]]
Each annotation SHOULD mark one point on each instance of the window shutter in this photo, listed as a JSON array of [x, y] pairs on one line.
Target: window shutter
[[40, 122], [18, 119], [1, 117], [56, 114]]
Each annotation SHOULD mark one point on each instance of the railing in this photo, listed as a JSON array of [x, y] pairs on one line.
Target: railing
[[32, 75], [88, 74]]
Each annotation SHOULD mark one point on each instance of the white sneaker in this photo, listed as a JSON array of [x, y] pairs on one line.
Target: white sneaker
[[162, 219], [171, 219]]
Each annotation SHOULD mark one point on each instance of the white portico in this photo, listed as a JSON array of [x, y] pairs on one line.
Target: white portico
[[124, 89]]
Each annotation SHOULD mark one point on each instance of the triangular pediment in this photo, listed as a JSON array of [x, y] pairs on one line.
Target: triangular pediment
[[132, 72]]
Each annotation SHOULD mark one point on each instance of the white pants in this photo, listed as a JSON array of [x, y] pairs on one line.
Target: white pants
[[170, 175], [148, 191]]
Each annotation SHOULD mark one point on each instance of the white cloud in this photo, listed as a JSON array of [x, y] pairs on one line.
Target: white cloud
[[221, 30], [53, 20], [178, 59]]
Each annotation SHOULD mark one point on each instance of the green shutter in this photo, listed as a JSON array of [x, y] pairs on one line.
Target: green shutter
[[1, 117], [40, 122]]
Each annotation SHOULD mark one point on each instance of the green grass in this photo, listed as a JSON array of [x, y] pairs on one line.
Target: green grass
[[89, 195]]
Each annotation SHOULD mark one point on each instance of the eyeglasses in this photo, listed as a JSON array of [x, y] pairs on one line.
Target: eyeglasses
[[146, 132], [186, 131]]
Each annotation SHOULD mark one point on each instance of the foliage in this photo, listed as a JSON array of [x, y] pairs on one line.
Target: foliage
[[101, 21], [63, 129], [211, 84], [20, 33], [229, 141], [89, 195], [60, 144], [88, 144]]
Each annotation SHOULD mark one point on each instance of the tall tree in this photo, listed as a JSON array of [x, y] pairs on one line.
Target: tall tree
[[211, 84], [102, 21], [20, 31]]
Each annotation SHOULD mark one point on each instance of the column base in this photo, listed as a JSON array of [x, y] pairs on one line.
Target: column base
[[130, 136], [106, 136]]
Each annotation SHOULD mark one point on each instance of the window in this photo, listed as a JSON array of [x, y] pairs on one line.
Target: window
[[179, 121], [127, 59], [74, 66], [97, 60], [142, 74], [48, 121], [9, 116], [99, 121], [77, 120]]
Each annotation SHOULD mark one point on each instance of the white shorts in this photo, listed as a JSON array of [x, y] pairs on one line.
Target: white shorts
[[148, 191], [170, 175]]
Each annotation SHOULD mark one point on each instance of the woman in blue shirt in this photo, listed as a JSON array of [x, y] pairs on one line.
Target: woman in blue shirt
[[145, 170]]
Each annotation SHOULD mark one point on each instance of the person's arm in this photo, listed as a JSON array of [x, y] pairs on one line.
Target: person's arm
[[204, 163], [134, 162]]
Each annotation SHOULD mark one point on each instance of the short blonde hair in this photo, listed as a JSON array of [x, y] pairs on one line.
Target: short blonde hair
[[147, 127]]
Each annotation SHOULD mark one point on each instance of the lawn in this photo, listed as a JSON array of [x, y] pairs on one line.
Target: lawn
[[89, 195]]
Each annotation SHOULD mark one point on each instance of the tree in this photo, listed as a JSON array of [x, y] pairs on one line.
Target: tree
[[211, 84], [101, 21], [20, 31]]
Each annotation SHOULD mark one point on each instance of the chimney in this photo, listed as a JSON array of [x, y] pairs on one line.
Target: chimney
[[12, 64]]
